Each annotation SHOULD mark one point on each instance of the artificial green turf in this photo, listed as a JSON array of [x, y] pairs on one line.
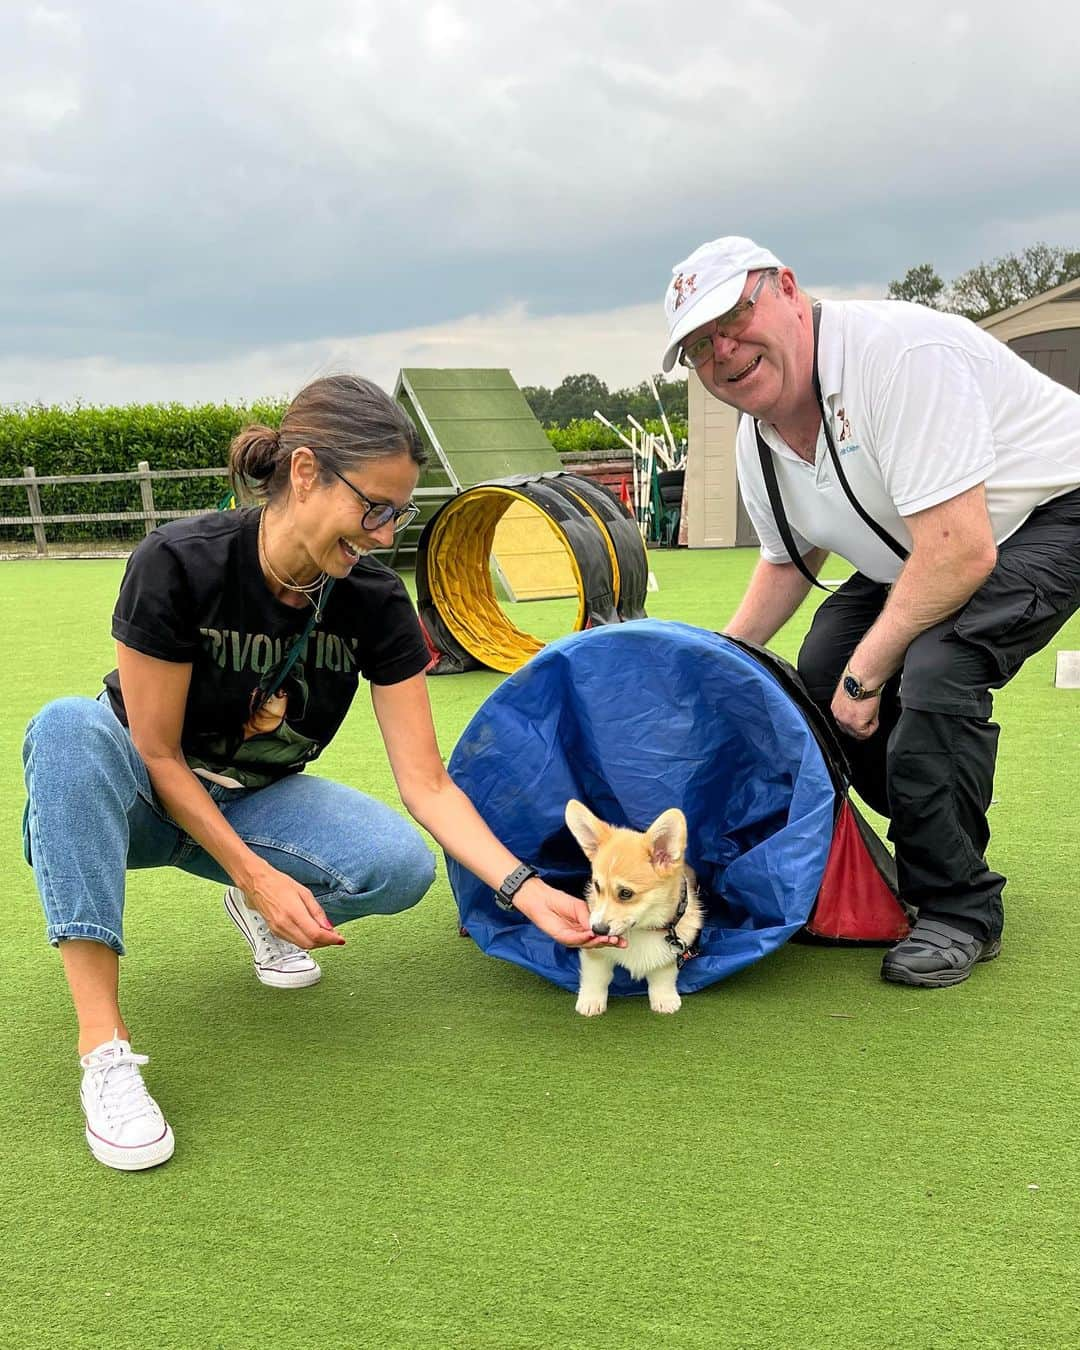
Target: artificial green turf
[[430, 1149]]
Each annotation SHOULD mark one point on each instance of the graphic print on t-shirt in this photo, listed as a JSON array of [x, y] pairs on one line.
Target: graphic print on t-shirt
[[193, 592], [269, 738]]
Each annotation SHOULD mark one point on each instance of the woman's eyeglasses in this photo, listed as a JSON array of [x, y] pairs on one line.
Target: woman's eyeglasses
[[376, 514]]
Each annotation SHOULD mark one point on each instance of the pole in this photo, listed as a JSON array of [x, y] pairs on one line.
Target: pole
[[659, 448], [612, 427], [34, 498], [663, 418]]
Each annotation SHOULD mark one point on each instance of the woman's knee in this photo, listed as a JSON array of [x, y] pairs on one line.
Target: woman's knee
[[416, 873], [395, 879], [411, 869], [74, 732], [79, 766]]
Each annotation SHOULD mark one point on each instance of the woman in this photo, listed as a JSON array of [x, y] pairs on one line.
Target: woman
[[241, 636]]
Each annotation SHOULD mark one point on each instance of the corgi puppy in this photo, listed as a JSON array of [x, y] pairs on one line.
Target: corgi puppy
[[641, 889]]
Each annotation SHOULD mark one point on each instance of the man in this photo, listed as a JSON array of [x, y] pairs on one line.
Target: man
[[961, 514]]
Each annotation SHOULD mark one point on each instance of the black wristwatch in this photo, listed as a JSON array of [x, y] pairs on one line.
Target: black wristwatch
[[854, 687], [504, 896]]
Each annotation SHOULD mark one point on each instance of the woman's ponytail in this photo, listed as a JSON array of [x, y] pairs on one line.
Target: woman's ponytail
[[254, 459]]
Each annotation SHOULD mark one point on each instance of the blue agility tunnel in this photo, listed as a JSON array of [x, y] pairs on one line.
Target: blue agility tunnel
[[631, 719]]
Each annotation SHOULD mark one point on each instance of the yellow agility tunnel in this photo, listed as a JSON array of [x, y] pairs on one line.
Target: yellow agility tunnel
[[464, 622]]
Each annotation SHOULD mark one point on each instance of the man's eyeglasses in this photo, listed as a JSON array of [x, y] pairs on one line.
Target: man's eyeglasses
[[376, 514], [729, 325]]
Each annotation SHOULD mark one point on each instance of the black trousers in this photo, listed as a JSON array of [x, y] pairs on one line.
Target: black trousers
[[930, 766]]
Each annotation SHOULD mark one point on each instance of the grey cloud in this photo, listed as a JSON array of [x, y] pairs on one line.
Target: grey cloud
[[185, 182]]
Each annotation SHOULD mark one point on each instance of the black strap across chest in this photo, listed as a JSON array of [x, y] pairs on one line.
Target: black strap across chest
[[772, 485], [272, 680]]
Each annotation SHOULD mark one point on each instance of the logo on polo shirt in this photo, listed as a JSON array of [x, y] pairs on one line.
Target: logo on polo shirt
[[845, 442]]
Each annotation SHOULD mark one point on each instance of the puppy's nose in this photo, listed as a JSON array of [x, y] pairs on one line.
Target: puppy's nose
[[600, 929]]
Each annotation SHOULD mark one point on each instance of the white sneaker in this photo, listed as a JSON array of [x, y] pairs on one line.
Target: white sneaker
[[124, 1125], [278, 963]]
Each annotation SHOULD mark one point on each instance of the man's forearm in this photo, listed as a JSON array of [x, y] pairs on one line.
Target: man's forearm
[[927, 591], [775, 592]]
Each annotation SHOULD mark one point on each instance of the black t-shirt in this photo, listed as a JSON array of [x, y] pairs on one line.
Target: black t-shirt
[[194, 592]]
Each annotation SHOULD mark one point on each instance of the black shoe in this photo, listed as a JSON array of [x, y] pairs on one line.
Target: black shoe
[[935, 955]]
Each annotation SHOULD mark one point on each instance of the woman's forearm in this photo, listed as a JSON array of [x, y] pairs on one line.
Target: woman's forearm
[[188, 803], [454, 822]]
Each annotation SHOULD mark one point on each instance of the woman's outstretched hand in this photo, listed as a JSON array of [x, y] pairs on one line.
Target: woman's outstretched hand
[[563, 917]]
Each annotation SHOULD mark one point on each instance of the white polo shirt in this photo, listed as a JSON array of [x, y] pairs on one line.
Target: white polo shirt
[[923, 407]]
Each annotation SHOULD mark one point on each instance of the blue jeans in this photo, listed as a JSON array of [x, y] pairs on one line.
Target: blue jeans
[[91, 814]]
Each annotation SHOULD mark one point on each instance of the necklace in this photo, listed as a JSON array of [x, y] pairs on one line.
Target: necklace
[[309, 589]]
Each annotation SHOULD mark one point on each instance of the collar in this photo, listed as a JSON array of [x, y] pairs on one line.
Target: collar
[[668, 929]]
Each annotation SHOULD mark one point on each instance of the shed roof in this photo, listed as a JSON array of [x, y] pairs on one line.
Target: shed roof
[[1067, 291]]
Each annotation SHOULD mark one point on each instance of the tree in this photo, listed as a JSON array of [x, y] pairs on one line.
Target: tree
[[539, 400], [921, 285], [639, 401], [579, 396], [991, 287]]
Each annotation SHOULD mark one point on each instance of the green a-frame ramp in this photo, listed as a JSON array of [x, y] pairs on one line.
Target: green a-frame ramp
[[477, 428], [475, 424]]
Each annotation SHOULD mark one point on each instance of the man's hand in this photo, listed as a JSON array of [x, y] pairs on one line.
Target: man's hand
[[856, 717], [561, 916]]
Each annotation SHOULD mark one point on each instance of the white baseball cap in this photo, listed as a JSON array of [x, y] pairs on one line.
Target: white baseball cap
[[708, 284]]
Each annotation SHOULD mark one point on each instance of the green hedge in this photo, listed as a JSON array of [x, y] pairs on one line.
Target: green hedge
[[113, 440], [168, 436], [589, 434]]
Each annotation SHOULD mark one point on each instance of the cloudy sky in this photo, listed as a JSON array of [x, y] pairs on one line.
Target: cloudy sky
[[223, 199]]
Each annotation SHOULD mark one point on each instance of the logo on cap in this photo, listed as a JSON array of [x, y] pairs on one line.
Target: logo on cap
[[684, 287]]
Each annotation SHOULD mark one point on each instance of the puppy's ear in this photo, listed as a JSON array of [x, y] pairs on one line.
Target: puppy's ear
[[585, 827], [666, 840]]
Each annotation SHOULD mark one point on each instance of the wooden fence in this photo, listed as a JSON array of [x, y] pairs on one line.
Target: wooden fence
[[149, 516]]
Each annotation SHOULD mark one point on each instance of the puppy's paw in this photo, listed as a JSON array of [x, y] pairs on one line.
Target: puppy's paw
[[665, 1003], [591, 1005]]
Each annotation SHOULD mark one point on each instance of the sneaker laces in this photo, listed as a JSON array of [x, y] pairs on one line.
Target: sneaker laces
[[118, 1086], [274, 948]]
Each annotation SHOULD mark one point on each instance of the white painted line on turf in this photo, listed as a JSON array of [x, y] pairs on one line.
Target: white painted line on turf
[[1067, 675]]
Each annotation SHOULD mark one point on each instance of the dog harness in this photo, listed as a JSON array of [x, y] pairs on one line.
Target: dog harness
[[684, 951]]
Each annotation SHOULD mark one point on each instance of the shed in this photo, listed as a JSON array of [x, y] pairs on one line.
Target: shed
[[1045, 331], [716, 516]]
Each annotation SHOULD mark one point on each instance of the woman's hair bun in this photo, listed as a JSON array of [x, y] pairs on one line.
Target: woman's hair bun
[[253, 458]]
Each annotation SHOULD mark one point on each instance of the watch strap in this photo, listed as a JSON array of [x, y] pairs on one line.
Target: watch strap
[[863, 692], [504, 896]]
